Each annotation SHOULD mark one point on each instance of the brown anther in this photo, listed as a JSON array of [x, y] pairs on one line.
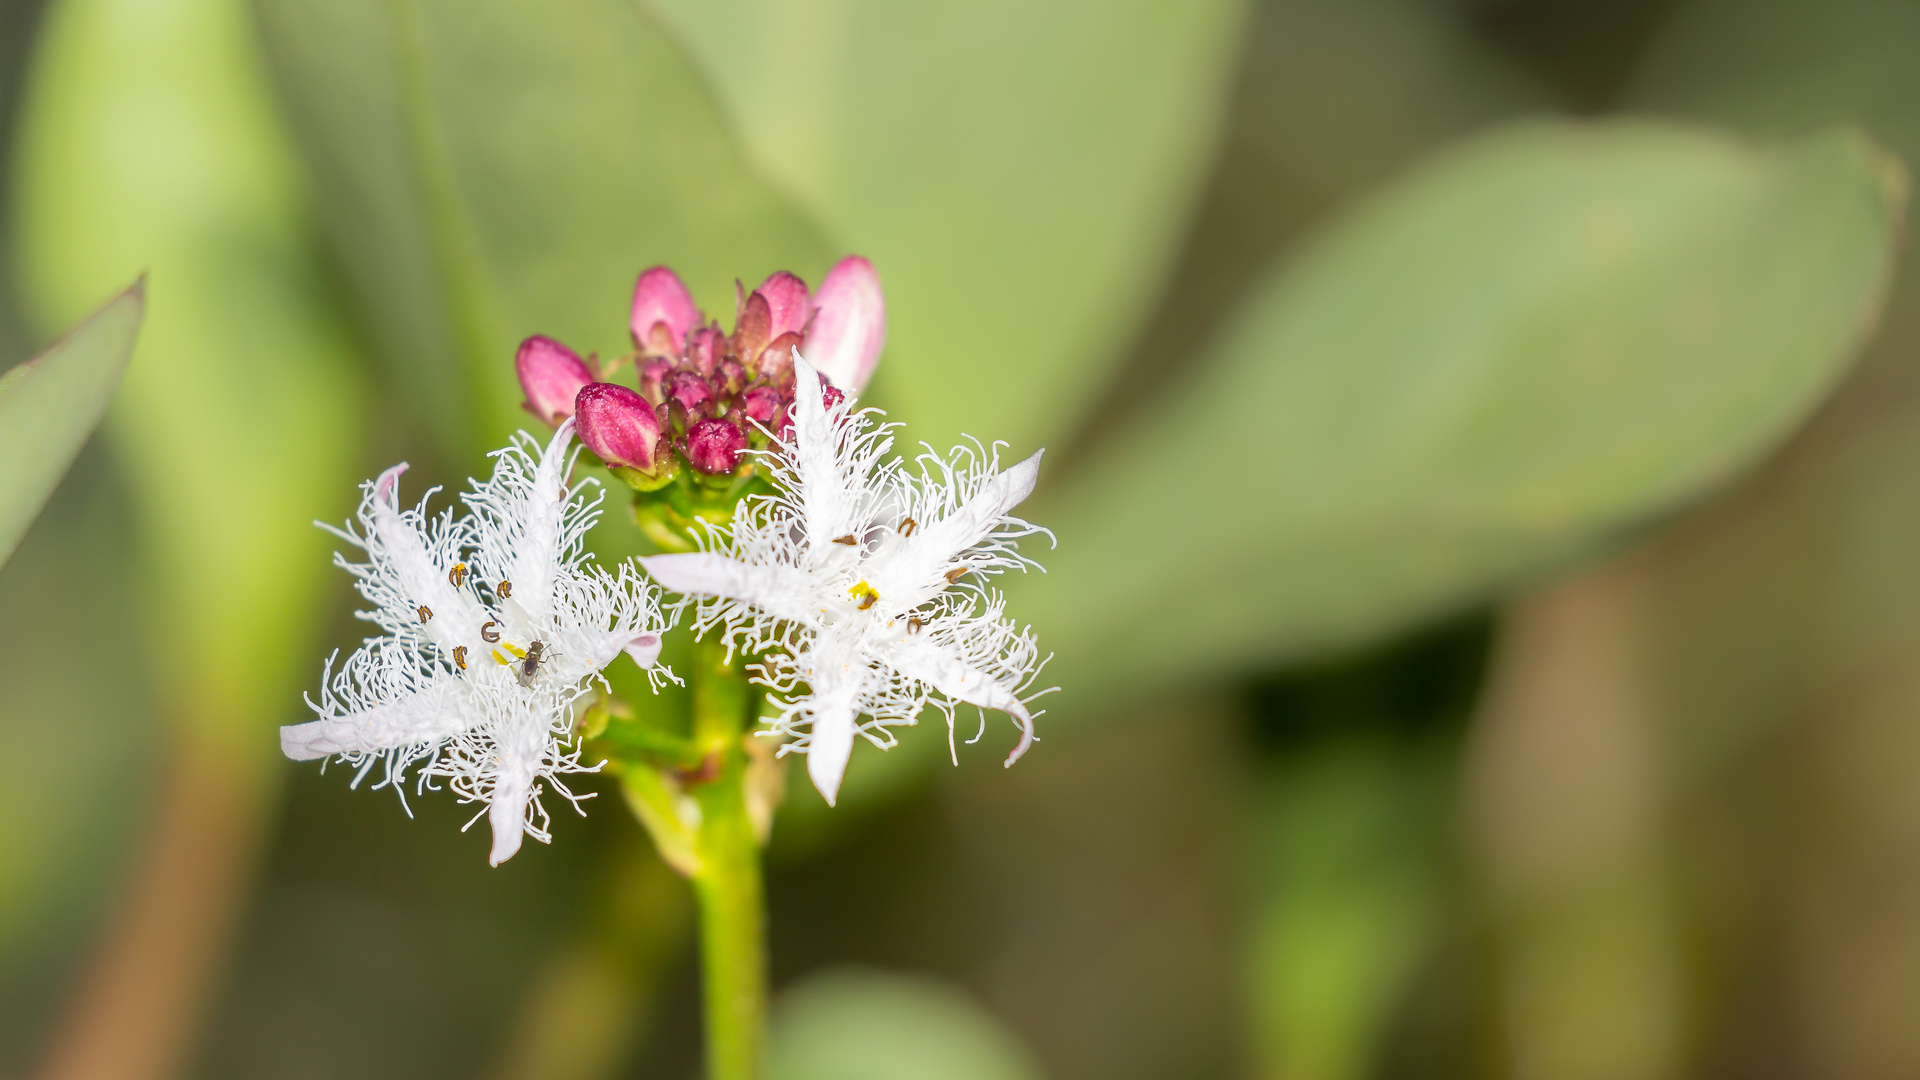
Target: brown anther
[[847, 540], [458, 575], [867, 600], [460, 657], [425, 613], [488, 634], [503, 590], [914, 624], [957, 573], [907, 527]]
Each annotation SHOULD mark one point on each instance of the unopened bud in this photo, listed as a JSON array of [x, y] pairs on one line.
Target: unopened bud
[[788, 305], [618, 425], [653, 377], [705, 347], [663, 312], [714, 446], [849, 324], [761, 404], [754, 329], [551, 376], [776, 360], [687, 390]]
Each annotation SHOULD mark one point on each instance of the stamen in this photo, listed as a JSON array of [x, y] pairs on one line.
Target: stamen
[[425, 613], [504, 589], [907, 527], [458, 575], [914, 624], [957, 573], [864, 593], [489, 634], [847, 540], [460, 657]]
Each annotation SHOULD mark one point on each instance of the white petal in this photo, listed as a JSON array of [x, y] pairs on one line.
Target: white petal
[[835, 676], [783, 592], [940, 667], [507, 814], [454, 617], [916, 569], [423, 717], [538, 550], [645, 650]]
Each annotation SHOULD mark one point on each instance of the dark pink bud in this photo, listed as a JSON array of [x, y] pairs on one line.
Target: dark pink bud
[[618, 425], [831, 396], [754, 329], [727, 378], [776, 361], [551, 376], [705, 348], [661, 301], [653, 377], [714, 446], [761, 404], [849, 324], [688, 390], [787, 303]]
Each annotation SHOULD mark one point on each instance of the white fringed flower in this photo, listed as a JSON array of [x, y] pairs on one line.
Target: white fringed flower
[[492, 624], [861, 584]]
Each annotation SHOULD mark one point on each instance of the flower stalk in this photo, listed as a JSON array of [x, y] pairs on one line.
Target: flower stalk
[[727, 882]]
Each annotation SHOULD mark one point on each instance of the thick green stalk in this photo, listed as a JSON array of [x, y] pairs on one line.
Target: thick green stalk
[[728, 885]]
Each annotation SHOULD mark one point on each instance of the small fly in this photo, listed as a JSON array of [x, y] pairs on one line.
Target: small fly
[[529, 666]]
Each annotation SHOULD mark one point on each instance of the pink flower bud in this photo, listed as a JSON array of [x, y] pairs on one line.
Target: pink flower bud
[[551, 376], [776, 360], [705, 347], [787, 303], [761, 404], [618, 425], [714, 446], [849, 324], [753, 329], [688, 390], [663, 312], [653, 377]]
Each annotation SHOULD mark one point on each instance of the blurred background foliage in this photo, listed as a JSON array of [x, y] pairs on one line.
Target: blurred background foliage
[[1484, 445]]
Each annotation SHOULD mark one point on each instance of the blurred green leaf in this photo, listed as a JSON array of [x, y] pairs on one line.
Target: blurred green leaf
[[51, 403], [1526, 345], [494, 169], [1020, 173], [851, 1024], [148, 141]]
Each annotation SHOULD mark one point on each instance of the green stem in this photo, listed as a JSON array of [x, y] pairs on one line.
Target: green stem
[[728, 885]]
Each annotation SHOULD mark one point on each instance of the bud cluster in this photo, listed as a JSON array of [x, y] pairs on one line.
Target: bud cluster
[[705, 397]]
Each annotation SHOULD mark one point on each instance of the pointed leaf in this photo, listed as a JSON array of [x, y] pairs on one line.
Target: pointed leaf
[[1526, 345], [51, 403]]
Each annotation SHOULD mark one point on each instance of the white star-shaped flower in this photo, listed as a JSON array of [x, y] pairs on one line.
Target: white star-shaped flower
[[492, 624], [861, 583]]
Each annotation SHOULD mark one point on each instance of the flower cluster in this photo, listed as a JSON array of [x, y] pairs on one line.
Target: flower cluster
[[492, 625], [705, 397], [862, 583]]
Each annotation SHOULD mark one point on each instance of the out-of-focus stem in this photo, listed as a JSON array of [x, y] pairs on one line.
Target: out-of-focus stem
[[728, 883], [137, 1008]]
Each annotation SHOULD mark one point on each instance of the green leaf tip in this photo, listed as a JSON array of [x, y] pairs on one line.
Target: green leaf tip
[[51, 403]]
